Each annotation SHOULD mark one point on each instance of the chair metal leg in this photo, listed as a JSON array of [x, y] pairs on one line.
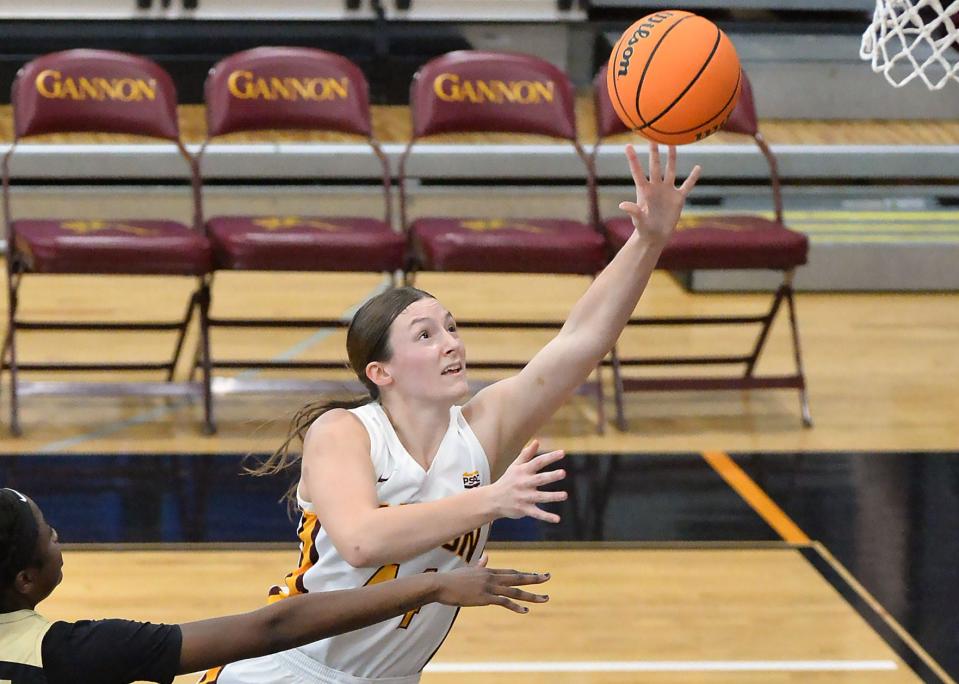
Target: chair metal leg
[[618, 390], [797, 355], [409, 276], [181, 336], [203, 296], [764, 331], [11, 346]]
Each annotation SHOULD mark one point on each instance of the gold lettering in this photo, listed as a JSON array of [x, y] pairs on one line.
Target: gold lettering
[[69, 90], [245, 85], [545, 90], [236, 90], [506, 90], [43, 88], [90, 89], [279, 89], [450, 88], [440, 81], [486, 91], [467, 92], [304, 90], [51, 84], [338, 88], [260, 90]]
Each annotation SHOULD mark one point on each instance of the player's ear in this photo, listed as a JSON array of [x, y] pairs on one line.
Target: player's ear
[[378, 373]]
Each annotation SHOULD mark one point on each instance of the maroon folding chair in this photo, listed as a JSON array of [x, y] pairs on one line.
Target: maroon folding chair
[[273, 88], [716, 242], [105, 92], [472, 91]]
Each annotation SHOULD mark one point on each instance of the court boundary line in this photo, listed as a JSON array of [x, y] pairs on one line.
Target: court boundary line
[[664, 666], [775, 517], [881, 612]]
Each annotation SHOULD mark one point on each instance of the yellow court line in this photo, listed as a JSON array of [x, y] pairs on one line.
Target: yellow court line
[[760, 502]]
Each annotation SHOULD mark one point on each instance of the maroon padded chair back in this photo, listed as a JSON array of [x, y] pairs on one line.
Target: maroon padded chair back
[[742, 119], [475, 91], [286, 88], [607, 120], [94, 91]]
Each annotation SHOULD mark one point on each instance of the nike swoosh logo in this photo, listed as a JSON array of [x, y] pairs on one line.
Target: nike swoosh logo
[[381, 479]]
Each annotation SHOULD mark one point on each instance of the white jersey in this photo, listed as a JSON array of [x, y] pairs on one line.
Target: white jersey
[[401, 647]]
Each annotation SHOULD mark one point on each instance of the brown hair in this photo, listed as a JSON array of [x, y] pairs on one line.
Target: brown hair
[[367, 340]]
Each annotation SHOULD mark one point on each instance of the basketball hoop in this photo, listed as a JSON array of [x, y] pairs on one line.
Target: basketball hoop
[[911, 39]]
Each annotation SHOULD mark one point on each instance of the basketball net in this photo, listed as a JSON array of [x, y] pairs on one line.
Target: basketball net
[[910, 39]]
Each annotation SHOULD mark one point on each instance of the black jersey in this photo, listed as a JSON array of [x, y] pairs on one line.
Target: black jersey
[[34, 651]]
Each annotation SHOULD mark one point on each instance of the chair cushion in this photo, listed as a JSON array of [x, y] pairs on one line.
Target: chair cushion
[[305, 243], [530, 245], [723, 242], [123, 246]]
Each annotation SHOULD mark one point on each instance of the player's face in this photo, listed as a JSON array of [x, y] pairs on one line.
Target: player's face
[[49, 559], [429, 358]]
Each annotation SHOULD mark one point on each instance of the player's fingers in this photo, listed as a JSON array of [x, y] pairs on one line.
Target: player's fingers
[[483, 561], [544, 460], [655, 166], [670, 175], [540, 514], [514, 577], [506, 603], [633, 209], [528, 452], [690, 181], [636, 169], [551, 497], [520, 595], [549, 477]]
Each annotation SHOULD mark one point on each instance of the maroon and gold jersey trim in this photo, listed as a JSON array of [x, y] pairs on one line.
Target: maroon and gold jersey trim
[[293, 584]]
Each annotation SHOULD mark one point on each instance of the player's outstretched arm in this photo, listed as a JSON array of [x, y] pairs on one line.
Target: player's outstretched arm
[[310, 617], [506, 414]]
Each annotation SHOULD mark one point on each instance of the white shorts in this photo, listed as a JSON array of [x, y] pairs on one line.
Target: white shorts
[[292, 667]]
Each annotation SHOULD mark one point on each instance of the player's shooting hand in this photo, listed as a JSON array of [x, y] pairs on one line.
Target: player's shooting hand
[[658, 201]]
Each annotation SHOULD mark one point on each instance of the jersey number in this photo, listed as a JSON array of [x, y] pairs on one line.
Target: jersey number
[[384, 574]]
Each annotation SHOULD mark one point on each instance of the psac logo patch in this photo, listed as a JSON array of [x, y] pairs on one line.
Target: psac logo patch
[[471, 479]]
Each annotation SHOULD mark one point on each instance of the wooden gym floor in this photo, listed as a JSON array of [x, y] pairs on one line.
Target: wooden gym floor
[[881, 372]]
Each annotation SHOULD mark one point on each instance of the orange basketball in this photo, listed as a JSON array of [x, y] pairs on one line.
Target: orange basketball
[[674, 77]]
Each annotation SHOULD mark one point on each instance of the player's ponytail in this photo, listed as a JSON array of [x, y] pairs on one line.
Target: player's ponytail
[[367, 340]]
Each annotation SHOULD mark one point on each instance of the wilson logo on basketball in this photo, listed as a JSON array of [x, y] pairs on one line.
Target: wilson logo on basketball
[[245, 85], [471, 480], [451, 88], [51, 84], [641, 32]]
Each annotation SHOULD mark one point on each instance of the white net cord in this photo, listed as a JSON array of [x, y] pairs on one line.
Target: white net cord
[[910, 39]]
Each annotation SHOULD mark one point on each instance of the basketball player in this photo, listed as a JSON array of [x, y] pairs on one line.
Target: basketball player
[[407, 482], [34, 651]]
